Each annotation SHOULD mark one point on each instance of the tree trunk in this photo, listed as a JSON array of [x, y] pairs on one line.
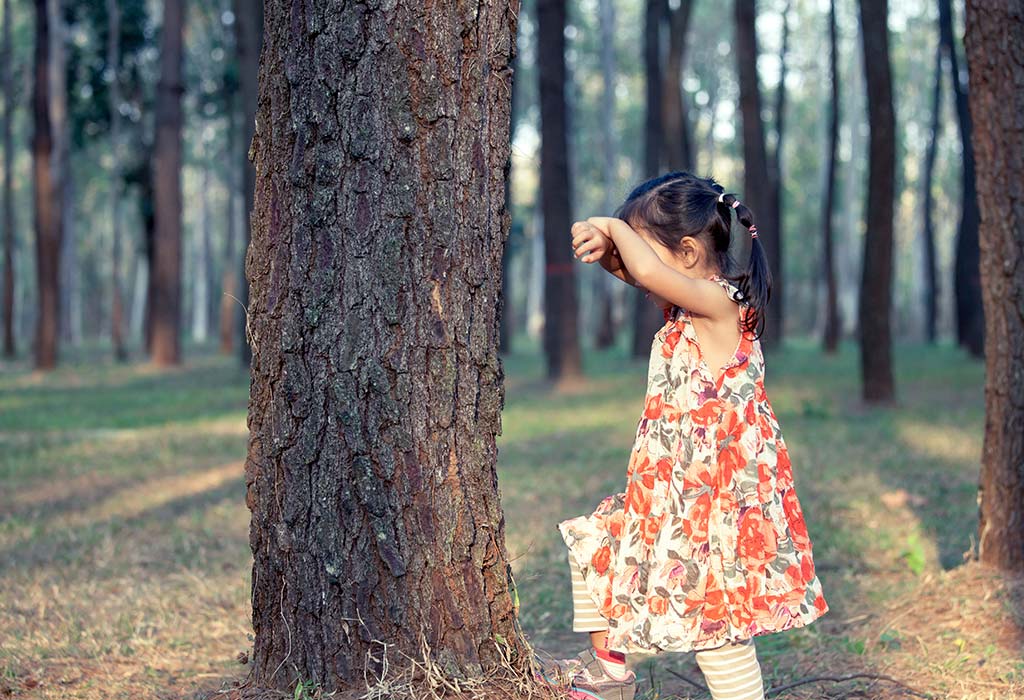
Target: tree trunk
[[561, 326], [647, 318], [506, 328], [994, 42], [605, 291], [46, 206], [227, 304], [166, 309], [832, 323], [775, 177], [248, 40], [758, 186], [970, 319], [678, 135], [375, 264], [931, 282], [201, 256], [147, 197], [875, 306], [117, 292], [7, 84], [60, 160]]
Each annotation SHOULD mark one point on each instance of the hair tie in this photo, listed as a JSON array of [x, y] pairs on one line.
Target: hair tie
[[753, 231], [721, 198], [735, 203]]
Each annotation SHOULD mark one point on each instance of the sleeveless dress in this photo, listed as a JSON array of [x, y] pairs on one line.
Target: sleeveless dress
[[708, 542]]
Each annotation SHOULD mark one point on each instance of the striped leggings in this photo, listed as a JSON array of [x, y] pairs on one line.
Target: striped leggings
[[732, 671]]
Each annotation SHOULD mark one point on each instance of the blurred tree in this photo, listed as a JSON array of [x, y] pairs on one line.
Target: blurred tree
[[7, 86], [166, 271], [675, 114], [248, 42], [647, 317], [931, 281], [376, 383], [759, 186], [561, 324], [970, 318], [114, 66], [994, 42], [833, 323], [506, 328], [46, 203], [606, 329], [875, 306], [229, 275]]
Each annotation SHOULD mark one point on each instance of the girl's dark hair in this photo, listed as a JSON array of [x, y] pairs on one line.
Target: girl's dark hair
[[680, 204]]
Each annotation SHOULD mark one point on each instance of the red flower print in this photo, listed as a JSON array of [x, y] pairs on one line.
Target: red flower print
[[820, 605], [651, 528], [669, 346], [795, 518], [665, 469], [638, 498], [756, 543], [614, 523], [708, 414], [657, 604], [695, 524], [601, 559], [645, 472], [784, 470], [807, 569], [652, 408]]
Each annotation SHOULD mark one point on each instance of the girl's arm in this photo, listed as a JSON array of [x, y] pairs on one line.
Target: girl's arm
[[698, 296]]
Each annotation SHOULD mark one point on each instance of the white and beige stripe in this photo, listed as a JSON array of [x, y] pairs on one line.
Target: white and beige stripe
[[585, 615], [732, 671]]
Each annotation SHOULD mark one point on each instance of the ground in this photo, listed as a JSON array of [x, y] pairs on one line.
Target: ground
[[125, 567]]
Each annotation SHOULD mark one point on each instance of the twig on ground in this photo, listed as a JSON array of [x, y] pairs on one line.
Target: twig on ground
[[841, 679]]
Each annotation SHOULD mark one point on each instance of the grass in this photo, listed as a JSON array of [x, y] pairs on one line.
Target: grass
[[125, 567]]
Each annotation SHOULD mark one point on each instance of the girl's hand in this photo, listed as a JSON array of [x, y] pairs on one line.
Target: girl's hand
[[602, 224], [589, 242]]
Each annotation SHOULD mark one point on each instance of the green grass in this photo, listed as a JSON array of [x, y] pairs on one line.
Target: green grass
[[124, 534]]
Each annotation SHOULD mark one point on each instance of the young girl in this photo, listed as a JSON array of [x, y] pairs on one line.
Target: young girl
[[707, 547]]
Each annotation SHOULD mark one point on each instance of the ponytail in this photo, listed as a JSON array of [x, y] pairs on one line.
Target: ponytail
[[755, 283]]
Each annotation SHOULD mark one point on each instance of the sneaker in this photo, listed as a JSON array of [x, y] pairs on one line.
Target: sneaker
[[586, 678]]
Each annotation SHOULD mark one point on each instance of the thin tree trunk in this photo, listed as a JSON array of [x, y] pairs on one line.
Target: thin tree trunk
[[376, 383], [994, 43], [931, 282], [114, 65], [833, 325], [46, 206], [970, 320], [561, 327], [876, 277], [248, 40], [60, 160], [166, 309], [201, 268], [6, 71], [775, 175], [604, 292], [758, 196], [229, 271], [647, 318], [676, 121], [506, 327]]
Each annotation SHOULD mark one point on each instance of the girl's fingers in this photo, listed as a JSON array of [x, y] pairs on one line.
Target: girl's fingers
[[582, 238]]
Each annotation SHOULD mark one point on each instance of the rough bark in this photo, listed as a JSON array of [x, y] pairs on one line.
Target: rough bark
[[994, 43], [561, 322], [931, 281], [45, 202], [676, 121], [166, 303], [833, 325], [647, 317], [970, 319], [381, 148], [117, 292], [7, 85], [875, 306], [758, 187], [248, 42]]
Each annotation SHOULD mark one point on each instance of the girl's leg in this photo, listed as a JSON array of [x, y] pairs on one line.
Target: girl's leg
[[732, 671], [587, 618]]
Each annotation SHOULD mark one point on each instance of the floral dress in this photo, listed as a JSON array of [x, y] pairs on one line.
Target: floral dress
[[708, 542]]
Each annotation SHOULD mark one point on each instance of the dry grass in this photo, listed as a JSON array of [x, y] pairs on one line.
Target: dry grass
[[125, 567]]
